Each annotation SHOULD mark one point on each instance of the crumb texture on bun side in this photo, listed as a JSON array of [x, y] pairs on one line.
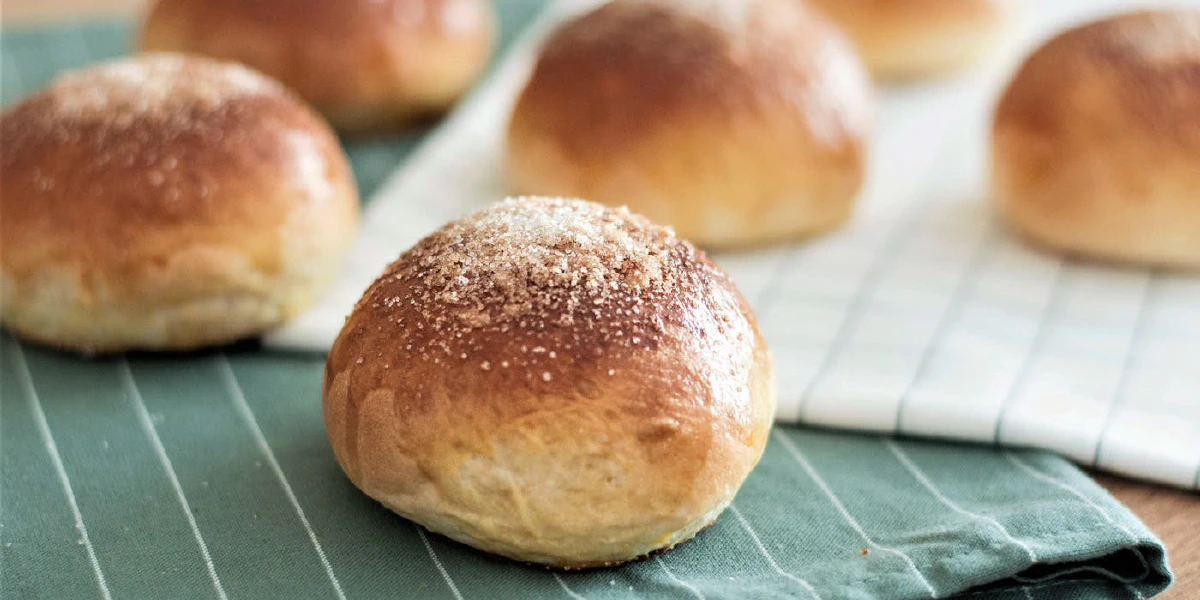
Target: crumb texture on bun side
[[736, 122], [552, 381], [166, 202], [908, 39], [367, 65], [1096, 141]]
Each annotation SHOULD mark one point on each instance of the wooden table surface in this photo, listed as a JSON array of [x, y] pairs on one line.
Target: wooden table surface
[[1173, 514]]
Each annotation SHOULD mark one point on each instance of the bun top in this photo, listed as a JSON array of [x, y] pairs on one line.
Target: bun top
[[126, 162], [366, 64], [677, 60], [163, 94], [341, 20], [1137, 73], [541, 286]]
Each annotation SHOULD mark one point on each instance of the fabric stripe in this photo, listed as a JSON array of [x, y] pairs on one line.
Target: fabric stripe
[[60, 469], [963, 289], [1137, 345], [898, 234], [1045, 323], [821, 548], [239, 399], [920, 476], [566, 589], [375, 553], [99, 436], [437, 563], [38, 527], [148, 426], [808, 468], [767, 554], [238, 503], [695, 592], [1019, 462]]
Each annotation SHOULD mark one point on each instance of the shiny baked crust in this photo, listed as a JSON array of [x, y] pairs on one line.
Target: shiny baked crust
[[1096, 142], [164, 202], [737, 123], [367, 65], [906, 39], [552, 381]]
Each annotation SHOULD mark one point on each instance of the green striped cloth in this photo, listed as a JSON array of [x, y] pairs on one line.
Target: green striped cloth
[[209, 476]]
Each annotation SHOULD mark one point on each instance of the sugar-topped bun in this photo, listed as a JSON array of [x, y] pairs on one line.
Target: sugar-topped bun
[[367, 65], [164, 202], [1096, 142], [738, 122], [903, 39], [552, 381]]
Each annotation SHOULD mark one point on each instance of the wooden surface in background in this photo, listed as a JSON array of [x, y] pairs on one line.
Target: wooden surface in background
[[1173, 514]]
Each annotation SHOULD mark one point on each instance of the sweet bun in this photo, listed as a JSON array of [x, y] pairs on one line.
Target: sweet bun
[[367, 65], [553, 381], [166, 202], [905, 39], [1096, 141], [737, 122]]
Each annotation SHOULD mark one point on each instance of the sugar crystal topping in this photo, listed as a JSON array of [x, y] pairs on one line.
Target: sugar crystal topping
[[153, 85], [548, 273], [140, 114], [526, 255], [526, 258]]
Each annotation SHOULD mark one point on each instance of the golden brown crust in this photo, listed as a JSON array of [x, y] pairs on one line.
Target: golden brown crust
[[366, 65], [166, 189], [736, 123], [917, 38], [551, 381], [1096, 142]]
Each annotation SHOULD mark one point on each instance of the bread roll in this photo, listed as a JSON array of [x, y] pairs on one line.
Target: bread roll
[[552, 381], [904, 39], [164, 202], [367, 65], [1096, 142], [738, 122]]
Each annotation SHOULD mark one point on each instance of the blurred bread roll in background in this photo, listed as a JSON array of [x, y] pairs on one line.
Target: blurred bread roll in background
[[737, 122], [1096, 141], [554, 381], [166, 202], [367, 65], [906, 39]]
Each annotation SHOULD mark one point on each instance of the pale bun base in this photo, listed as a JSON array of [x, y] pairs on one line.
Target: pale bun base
[[1085, 212], [717, 191], [55, 307], [917, 39], [573, 514]]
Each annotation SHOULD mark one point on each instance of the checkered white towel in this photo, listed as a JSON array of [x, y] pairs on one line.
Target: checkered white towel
[[922, 316]]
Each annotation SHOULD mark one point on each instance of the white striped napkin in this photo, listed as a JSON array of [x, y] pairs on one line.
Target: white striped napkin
[[922, 316]]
